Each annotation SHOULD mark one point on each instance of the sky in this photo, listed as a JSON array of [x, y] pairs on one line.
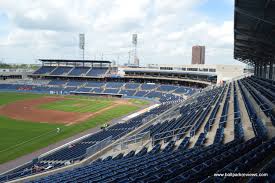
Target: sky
[[167, 30]]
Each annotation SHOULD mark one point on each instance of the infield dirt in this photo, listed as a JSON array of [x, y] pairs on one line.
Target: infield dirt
[[28, 110]]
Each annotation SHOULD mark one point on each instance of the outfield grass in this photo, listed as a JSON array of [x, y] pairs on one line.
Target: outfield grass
[[18, 137], [139, 102], [22, 137], [6, 98]]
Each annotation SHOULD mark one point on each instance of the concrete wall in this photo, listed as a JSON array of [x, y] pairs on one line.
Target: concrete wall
[[227, 72]]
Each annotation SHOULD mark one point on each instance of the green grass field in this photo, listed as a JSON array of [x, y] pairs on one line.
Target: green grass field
[[22, 137], [6, 98], [139, 102]]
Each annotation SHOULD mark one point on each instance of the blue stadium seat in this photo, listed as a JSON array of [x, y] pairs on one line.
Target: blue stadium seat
[[78, 71], [44, 70], [61, 70], [97, 72]]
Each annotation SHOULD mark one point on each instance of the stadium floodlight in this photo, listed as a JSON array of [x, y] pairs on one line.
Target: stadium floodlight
[[134, 41], [82, 43]]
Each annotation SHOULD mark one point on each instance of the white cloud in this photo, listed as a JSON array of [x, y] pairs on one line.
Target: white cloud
[[166, 29], [171, 6], [123, 15]]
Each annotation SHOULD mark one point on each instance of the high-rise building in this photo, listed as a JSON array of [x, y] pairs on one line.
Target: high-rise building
[[198, 55]]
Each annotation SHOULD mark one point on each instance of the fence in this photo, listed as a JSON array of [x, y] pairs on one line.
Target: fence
[[98, 146], [175, 133], [138, 139]]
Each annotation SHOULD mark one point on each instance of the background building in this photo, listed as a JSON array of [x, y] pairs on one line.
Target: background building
[[198, 55]]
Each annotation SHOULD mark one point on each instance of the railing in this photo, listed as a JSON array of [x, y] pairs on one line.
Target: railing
[[138, 139], [257, 107], [141, 138], [175, 133], [25, 172], [64, 146], [98, 146], [149, 118]]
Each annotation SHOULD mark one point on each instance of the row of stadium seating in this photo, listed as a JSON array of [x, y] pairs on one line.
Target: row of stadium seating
[[161, 96], [170, 93], [163, 92], [257, 124], [71, 71], [44, 70], [180, 165], [127, 86], [268, 169], [264, 94]]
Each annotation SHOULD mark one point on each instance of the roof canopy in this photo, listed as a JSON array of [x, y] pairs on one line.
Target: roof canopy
[[254, 31], [80, 61]]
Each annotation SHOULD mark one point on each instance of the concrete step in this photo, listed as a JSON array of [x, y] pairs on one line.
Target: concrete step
[[211, 134], [246, 123], [228, 135]]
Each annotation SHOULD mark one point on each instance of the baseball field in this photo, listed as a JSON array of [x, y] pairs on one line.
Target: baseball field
[[29, 122]]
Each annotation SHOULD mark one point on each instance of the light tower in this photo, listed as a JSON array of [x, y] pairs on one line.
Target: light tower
[[82, 43], [129, 57], [134, 42]]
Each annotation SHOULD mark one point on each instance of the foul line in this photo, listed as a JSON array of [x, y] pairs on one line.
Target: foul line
[[12, 147]]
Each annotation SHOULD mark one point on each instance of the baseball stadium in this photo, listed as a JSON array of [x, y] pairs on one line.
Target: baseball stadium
[[94, 120]]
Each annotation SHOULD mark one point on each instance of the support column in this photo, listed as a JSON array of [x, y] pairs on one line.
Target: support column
[[256, 69], [261, 70], [265, 71], [270, 70]]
